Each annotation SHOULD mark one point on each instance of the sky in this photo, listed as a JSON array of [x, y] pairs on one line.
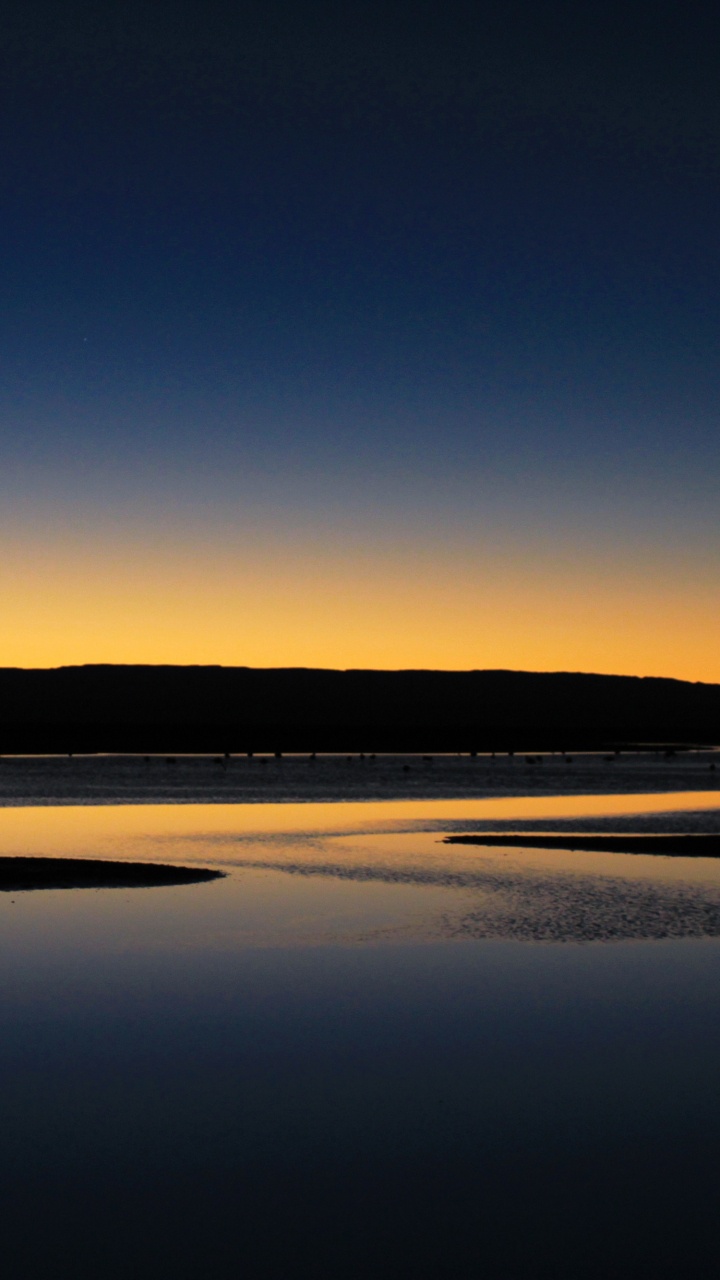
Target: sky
[[381, 335]]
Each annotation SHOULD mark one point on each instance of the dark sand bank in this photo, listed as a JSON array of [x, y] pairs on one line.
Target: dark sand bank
[[673, 846], [19, 874]]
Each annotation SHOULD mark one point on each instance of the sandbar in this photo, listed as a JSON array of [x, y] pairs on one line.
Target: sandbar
[[673, 846], [22, 873]]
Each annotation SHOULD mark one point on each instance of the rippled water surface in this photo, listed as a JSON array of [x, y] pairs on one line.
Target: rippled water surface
[[363, 1051]]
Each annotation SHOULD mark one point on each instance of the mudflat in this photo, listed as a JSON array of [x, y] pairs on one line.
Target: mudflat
[[205, 779]]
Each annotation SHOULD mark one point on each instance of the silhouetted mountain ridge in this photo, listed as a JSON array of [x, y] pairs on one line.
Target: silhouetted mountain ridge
[[212, 708]]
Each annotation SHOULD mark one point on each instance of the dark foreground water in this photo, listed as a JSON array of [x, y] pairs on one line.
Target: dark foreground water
[[363, 1052]]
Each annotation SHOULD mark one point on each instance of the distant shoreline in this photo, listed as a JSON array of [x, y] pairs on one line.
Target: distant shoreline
[[204, 779]]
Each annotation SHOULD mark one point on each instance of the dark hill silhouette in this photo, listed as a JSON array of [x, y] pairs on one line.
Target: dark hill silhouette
[[239, 709]]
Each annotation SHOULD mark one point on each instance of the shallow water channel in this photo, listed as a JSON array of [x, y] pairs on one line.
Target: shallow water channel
[[362, 1052]]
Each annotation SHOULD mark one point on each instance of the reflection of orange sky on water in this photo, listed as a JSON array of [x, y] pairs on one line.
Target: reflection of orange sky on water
[[131, 830], [392, 608], [354, 875]]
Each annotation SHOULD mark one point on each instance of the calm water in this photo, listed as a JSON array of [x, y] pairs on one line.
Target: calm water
[[363, 1052]]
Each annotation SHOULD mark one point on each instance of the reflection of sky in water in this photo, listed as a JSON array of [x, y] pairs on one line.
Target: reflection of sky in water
[[316, 874], [321, 1063]]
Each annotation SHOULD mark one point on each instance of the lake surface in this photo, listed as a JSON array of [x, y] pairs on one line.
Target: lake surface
[[363, 1052]]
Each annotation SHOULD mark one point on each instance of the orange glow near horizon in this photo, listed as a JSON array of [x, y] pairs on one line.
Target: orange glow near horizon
[[321, 607]]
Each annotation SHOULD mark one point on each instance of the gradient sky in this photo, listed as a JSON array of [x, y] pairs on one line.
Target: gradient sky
[[371, 336]]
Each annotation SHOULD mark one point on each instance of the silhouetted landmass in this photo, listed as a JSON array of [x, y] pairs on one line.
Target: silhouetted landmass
[[19, 874], [695, 846], [240, 709]]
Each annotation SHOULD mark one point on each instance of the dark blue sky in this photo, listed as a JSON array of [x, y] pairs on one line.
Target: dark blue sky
[[392, 262]]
